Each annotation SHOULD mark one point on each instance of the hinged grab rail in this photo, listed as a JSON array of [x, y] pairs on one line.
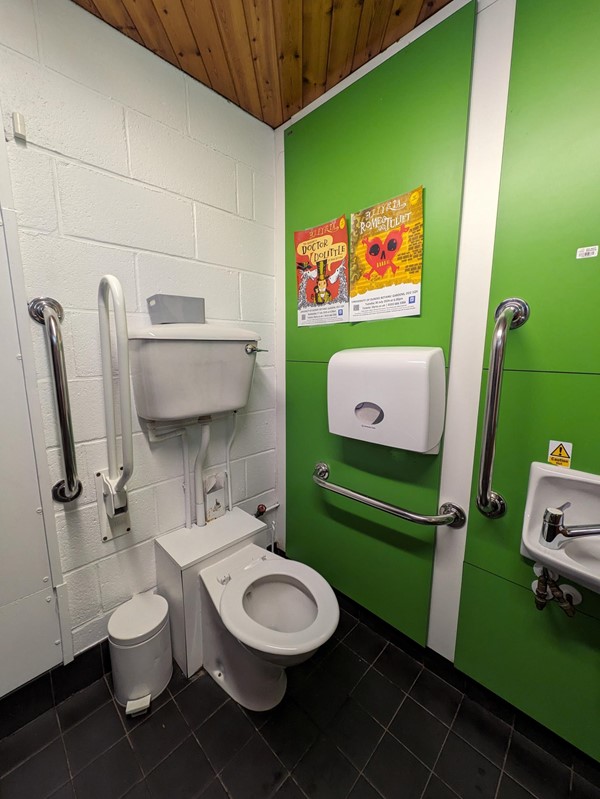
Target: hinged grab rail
[[114, 484], [450, 515], [49, 312], [510, 315]]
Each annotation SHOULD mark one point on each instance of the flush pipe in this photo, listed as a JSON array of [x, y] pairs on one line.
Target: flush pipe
[[175, 431], [228, 459], [198, 476]]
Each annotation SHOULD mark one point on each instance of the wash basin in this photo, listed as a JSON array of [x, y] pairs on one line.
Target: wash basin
[[551, 487]]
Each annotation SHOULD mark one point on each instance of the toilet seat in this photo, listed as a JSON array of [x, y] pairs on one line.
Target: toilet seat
[[264, 639]]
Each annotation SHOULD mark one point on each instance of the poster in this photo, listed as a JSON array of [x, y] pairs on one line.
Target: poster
[[322, 273], [387, 259]]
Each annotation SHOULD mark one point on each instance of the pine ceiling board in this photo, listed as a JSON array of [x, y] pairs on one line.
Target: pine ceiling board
[[429, 7], [115, 14], [288, 33], [261, 30], [402, 20], [203, 23], [179, 33], [316, 27], [344, 27], [149, 26], [234, 35], [88, 5], [373, 22]]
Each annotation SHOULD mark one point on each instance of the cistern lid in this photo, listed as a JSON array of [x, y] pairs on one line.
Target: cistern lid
[[194, 332], [138, 619]]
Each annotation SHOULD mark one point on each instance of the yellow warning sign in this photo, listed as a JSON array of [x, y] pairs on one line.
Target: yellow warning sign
[[560, 453]]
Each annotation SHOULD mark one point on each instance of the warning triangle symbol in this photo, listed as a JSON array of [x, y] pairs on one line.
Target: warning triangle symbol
[[560, 452]]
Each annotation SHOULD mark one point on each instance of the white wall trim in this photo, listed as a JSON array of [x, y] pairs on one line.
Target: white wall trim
[[487, 119], [280, 338]]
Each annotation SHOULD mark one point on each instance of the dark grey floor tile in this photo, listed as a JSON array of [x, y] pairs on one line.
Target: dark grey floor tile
[[83, 703], [395, 772], [437, 696], [436, 789], [297, 676], [467, 771], [536, 770], [156, 737], [28, 740], [110, 775], [200, 700], [587, 767], [131, 722], [289, 732], [93, 736], [343, 666], [77, 675], [65, 792], [321, 697], [363, 790], [366, 643], [509, 789], [379, 697], [214, 790], [289, 790], [139, 791], [355, 733], [39, 776], [544, 738], [324, 773], [419, 731], [490, 701], [178, 680], [254, 773], [445, 669], [105, 656], [224, 734], [183, 774], [398, 667], [345, 624], [25, 704], [582, 789], [482, 730]]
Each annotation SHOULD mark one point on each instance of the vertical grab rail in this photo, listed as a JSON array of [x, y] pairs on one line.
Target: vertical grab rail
[[50, 313], [114, 485], [510, 315]]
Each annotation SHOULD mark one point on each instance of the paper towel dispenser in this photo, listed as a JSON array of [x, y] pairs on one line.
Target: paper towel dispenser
[[395, 396]]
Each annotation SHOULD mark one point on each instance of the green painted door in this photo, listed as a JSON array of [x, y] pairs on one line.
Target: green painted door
[[544, 663], [401, 126]]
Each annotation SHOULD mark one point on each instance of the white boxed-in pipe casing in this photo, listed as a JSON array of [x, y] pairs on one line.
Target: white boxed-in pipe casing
[[395, 396]]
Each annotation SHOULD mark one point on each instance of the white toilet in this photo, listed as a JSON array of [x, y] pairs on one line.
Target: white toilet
[[242, 612]]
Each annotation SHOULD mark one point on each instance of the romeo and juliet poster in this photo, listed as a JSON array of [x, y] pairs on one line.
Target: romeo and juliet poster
[[322, 273], [387, 258]]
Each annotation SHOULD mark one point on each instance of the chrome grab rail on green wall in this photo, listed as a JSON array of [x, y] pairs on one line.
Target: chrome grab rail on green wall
[[510, 315], [450, 515]]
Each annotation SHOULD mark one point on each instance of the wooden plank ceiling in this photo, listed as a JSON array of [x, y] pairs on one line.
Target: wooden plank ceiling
[[270, 57]]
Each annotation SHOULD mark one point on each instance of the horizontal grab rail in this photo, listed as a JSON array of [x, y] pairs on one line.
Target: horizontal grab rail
[[49, 312], [509, 315], [450, 515]]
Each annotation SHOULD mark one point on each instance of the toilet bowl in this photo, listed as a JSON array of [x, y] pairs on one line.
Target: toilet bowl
[[262, 613]]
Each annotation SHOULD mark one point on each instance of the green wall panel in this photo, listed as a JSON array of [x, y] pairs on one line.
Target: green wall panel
[[399, 127], [544, 663], [550, 192]]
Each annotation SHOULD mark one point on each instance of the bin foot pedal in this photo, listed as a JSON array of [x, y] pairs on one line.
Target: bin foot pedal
[[135, 707]]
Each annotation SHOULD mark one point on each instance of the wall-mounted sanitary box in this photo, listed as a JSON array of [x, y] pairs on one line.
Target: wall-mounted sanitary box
[[395, 396]]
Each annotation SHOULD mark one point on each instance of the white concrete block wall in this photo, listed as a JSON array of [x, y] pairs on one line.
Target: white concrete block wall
[[134, 169]]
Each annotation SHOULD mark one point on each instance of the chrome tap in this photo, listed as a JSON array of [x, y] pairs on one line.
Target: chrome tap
[[555, 535]]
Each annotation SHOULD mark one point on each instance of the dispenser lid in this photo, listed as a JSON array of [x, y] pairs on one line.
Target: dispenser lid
[[138, 619], [194, 332]]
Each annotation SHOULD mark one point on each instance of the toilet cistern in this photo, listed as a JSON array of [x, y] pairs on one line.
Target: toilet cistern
[[555, 535]]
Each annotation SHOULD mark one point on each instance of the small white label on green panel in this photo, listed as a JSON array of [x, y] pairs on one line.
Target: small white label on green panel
[[588, 252], [560, 453]]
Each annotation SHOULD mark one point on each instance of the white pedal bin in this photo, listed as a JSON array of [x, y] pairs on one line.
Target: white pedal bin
[[139, 638]]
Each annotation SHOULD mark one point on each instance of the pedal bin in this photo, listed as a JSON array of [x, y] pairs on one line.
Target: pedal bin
[[139, 639]]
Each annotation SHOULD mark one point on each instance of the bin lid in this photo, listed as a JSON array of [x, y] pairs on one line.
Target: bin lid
[[138, 619]]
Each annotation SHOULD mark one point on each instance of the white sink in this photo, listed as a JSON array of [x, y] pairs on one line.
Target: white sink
[[550, 487]]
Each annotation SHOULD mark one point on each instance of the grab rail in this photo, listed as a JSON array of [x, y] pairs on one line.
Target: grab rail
[[114, 483], [510, 315], [50, 313], [450, 515]]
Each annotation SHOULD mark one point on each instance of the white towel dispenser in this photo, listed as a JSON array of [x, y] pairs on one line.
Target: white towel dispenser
[[395, 396]]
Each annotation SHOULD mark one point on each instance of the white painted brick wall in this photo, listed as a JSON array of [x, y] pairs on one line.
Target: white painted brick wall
[[132, 168]]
